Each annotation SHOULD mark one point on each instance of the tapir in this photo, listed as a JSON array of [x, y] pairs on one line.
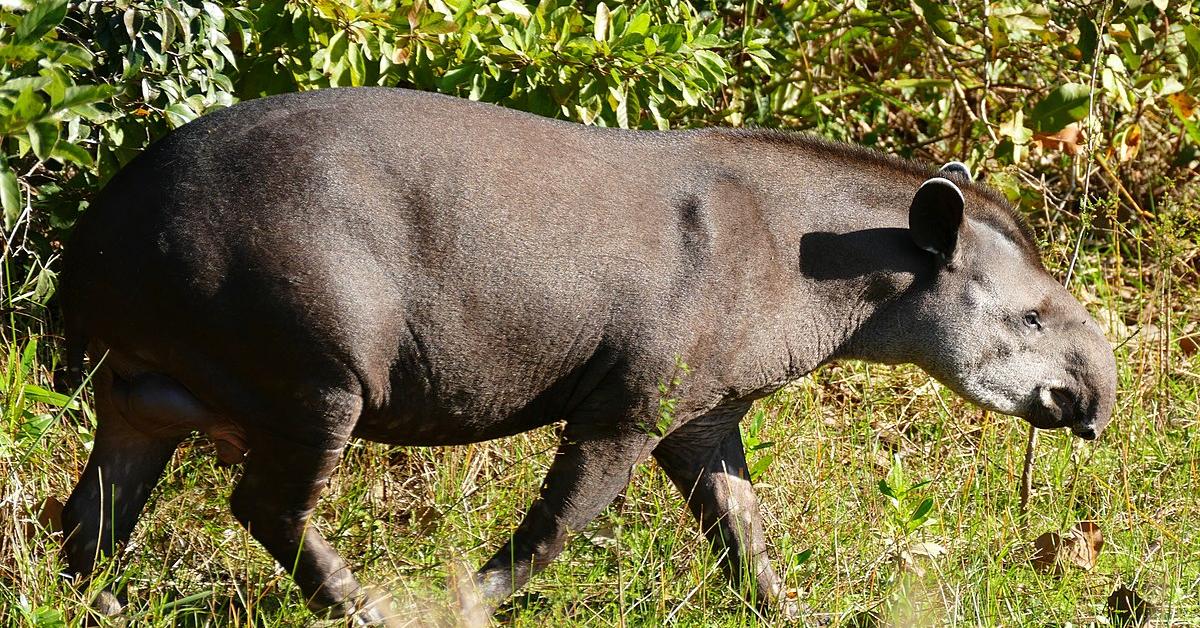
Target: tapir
[[296, 271]]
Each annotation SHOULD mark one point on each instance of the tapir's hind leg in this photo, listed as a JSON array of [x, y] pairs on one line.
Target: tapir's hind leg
[[275, 498], [121, 471], [706, 461], [588, 472]]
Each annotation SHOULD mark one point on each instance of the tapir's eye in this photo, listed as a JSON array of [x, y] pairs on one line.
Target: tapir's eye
[[1032, 320]]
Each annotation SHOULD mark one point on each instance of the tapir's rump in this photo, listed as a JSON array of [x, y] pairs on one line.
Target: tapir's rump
[[295, 271]]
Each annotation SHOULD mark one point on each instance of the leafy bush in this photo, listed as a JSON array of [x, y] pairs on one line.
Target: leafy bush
[[1008, 86]]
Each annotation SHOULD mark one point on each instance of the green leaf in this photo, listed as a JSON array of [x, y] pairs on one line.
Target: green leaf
[[56, 89], [34, 425], [43, 136], [336, 51], [73, 153], [760, 467], [457, 76], [713, 63], [639, 25], [932, 11], [166, 24], [1192, 34], [1088, 37], [358, 70], [1066, 104], [514, 7], [84, 95], [1145, 37], [28, 356], [43, 289], [179, 114], [922, 511], [920, 515], [27, 107], [44, 16], [10, 196], [9, 52]]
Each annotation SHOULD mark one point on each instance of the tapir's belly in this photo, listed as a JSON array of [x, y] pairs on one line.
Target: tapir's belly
[[487, 403], [444, 429]]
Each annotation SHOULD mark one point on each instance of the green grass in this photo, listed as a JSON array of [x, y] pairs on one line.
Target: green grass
[[408, 519]]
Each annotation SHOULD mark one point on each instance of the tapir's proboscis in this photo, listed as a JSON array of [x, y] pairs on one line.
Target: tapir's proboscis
[[293, 272]]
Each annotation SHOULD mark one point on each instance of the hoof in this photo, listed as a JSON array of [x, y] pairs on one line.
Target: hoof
[[105, 610], [370, 608], [107, 604]]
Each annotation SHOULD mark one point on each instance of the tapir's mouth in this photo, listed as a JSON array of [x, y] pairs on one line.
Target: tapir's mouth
[[1059, 407]]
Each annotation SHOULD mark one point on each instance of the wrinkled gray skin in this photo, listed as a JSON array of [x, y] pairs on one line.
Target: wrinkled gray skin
[[293, 272]]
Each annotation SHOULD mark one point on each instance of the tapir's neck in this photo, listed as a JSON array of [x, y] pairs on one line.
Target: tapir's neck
[[847, 269]]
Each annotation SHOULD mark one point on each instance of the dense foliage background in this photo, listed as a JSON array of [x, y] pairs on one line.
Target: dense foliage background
[[1006, 86], [1084, 113]]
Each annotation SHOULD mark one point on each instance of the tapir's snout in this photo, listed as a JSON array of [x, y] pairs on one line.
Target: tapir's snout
[[1084, 400]]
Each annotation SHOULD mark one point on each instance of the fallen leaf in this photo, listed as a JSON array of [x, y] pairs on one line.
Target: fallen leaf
[[1189, 345], [1083, 545], [422, 518], [1080, 546], [49, 518], [1127, 608], [907, 559], [1068, 140], [1045, 553]]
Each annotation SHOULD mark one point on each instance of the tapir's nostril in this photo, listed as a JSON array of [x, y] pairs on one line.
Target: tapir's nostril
[[1086, 432]]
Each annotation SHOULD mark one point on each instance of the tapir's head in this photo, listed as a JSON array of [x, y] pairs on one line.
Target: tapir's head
[[994, 326]]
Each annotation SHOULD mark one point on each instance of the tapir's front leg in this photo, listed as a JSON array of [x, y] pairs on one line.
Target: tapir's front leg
[[707, 463], [588, 472]]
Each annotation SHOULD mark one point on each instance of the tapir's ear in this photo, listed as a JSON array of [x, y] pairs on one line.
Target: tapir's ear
[[957, 167], [936, 217]]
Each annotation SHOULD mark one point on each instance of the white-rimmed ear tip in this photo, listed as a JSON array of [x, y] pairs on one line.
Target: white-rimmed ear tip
[[943, 182], [956, 167]]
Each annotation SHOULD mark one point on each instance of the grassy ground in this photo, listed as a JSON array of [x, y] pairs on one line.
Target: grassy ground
[[407, 518]]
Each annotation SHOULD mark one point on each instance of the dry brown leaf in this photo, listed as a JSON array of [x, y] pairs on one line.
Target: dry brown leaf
[[1068, 140], [1080, 547], [1045, 553], [1127, 608], [1189, 345], [1083, 545]]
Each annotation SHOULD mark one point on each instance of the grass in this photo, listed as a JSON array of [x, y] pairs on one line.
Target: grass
[[408, 519]]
